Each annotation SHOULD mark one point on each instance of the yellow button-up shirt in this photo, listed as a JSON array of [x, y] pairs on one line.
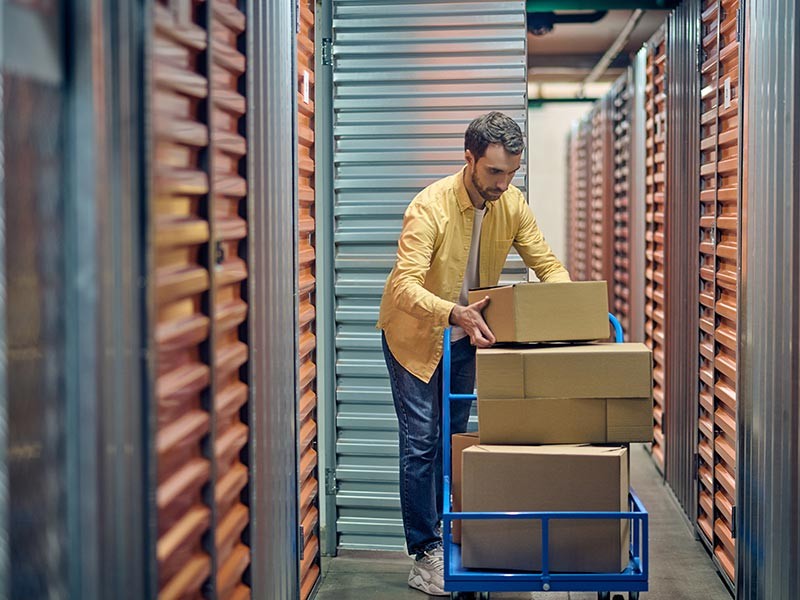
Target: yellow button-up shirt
[[432, 258]]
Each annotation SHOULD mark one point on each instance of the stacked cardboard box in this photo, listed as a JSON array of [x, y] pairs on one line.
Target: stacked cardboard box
[[540, 410]]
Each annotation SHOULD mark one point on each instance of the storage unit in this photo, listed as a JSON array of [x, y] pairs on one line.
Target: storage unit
[[601, 201], [718, 258], [655, 315], [308, 473], [620, 100], [198, 224], [571, 188], [579, 241], [407, 80]]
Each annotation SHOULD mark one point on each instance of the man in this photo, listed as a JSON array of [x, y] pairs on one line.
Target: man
[[456, 235]]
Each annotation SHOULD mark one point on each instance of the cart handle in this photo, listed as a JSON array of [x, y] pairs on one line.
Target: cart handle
[[617, 328]]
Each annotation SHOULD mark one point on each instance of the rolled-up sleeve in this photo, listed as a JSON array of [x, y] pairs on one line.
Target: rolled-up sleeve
[[535, 250], [414, 254]]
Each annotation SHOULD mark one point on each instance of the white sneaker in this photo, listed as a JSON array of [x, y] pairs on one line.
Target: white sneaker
[[427, 574]]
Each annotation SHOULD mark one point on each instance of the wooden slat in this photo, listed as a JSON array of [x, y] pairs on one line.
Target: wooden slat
[[306, 286], [180, 280], [655, 159], [720, 182]]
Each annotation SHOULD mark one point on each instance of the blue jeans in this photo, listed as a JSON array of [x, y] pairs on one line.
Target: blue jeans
[[419, 414]]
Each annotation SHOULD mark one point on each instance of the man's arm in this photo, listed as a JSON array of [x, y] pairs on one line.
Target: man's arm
[[535, 251], [414, 255]]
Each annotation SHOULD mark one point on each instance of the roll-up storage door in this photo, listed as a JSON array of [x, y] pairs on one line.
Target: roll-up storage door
[[198, 228], [718, 301], [407, 79], [601, 201], [181, 236], [655, 315], [308, 479], [231, 352], [621, 119], [580, 193], [572, 192]]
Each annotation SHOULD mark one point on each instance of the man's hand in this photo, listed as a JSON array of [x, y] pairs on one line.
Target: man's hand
[[470, 319]]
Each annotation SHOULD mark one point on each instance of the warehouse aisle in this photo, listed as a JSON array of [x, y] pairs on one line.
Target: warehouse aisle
[[680, 569]]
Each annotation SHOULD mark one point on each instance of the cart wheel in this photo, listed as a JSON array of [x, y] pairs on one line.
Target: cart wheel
[[603, 595], [633, 595], [619, 597], [469, 595], [482, 596]]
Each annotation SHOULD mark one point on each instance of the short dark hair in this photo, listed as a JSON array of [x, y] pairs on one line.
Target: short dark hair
[[493, 128]]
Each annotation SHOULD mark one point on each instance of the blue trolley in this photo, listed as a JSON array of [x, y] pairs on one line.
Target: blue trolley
[[462, 583]]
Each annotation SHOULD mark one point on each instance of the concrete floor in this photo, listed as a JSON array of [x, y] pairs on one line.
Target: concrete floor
[[680, 568]]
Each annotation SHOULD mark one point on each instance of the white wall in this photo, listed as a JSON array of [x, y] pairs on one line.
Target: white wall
[[548, 127]]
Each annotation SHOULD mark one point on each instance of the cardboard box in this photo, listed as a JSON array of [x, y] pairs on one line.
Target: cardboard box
[[546, 478], [459, 442], [547, 312], [592, 393]]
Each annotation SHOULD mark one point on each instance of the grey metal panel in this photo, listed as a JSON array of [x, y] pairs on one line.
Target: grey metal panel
[[407, 79], [683, 176], [125, 549], [637, 197], [4, 487], [73, 303], [272, 206], [326, 332], [768, 474], [34, 312]]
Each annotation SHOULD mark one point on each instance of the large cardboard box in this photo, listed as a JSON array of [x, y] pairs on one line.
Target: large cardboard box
[[591, 393], [546, 312], [546, 478], [459, 442]]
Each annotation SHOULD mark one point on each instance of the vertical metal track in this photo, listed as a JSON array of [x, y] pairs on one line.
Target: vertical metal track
[[272, 292], [768, 420], [681, 241]]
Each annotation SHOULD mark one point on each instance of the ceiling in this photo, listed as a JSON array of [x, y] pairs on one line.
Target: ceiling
[[570, 51]]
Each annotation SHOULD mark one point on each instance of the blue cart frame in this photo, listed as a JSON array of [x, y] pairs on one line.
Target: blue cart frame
[[458, 579]]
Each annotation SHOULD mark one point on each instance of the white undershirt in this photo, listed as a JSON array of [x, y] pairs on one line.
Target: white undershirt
[[471, 273]]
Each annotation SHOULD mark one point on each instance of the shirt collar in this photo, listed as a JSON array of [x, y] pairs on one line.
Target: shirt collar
[[462, 195]]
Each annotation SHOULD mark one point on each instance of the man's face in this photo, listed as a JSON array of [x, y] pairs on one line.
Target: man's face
[[492, 173]]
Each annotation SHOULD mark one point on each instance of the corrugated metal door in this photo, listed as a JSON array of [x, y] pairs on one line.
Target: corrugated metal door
[[655, 315], [198, 226], [719, 224], [621, 121], [180, 222], [601, 202], [408, 77], [308, 480], [579, 198], [229, 233], [572, 193]]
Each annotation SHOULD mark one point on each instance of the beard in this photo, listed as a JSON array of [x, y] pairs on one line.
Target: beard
[[488, 194]]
